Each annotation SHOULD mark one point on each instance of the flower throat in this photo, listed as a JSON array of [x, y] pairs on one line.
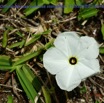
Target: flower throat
[[72, 60]]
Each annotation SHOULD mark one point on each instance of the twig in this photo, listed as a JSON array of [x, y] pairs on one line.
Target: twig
[[22, 6], [101, 58], [7, 86], [14, 90], [95, 83]]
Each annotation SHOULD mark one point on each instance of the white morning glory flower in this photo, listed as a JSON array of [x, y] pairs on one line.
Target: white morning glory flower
[[72, 59]]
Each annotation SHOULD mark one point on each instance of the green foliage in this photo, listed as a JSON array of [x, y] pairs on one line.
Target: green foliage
[[5, 38], [49, 44], [97, 101], [79, 2], [5, 67], [46, 95], [83, 90], [36, 37], [87, 13], [17, 44], [69, 5], [10, 99], [33, 39], [5, 63], [102, 30], [28, 80], [8, 5], [26, 84], [32, 78], [54, 2], [27, 57], [30, 83], [102, 50], [34, 5], [1, 1], [5, 60], [10, 28]]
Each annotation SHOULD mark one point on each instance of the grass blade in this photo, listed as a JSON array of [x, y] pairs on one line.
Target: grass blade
[[27, 57], [102, 30], [5, 68], [54, 2], [33, 39], [26, 84], [49, 44], [102, 50], [36, 37], [5, 60], [5, 38], [32, 78], [69, 5], [24, 87], [87, 13], [10, 99], [33, 7], [20, 44], [32, 55], [46, 95], [8, 5]]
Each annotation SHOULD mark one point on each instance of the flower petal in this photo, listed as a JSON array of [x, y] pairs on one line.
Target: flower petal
[[87, 68], [54, 60], [68, 79], [89, 48], [67, 42]]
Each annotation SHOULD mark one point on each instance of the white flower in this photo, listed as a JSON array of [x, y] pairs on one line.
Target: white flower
[[72, 59]]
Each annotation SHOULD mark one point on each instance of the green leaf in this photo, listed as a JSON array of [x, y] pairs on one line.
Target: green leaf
[[24, 87], [87, 13], [97, 101], [69, 5], [46, 95], [31, 77], [33, 39], [27, 57], [54, 2], [10, 99], [46, 32], [5, 39], [32, 55], [34, 5], [20, 44], [46, 1], [83, 90], [1, 1], [102, 50], [10, 28], [5, 63], [8, 5], [49, 44], [26, 84], [36, 37], [102, 30], [79, 2], [5, 60], [5, 67], [19, 33]]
